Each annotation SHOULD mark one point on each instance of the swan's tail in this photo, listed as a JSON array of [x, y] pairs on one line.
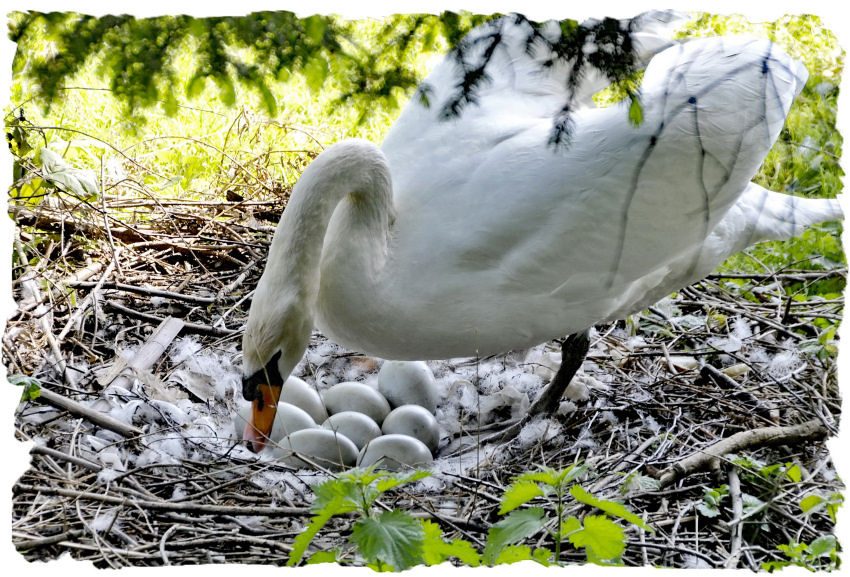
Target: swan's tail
[[775, 216]]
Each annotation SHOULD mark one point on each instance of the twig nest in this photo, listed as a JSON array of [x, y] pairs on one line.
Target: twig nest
[[288, 419], [408, 383], [297, 392], [413, 421], [395, 452], [318, 447], [359, 398], [356, 426]]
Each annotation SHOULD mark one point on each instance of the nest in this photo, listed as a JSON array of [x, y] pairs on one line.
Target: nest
[[725, 383]]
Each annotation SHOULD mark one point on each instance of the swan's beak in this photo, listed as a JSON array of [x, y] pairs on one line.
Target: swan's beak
[[263, 411]]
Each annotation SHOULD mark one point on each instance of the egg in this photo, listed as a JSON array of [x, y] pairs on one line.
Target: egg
[[408, 383], [395, 452], [288, 419], [356, 397], [323, 447], [413, 421], [356, 426], [297, 392]]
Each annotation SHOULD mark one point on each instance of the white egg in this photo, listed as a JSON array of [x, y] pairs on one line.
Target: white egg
[[408, 383], [413, 421], [356, 397], [322, 447], [297, 392], [288, 419], [395, 452], [356, 426]]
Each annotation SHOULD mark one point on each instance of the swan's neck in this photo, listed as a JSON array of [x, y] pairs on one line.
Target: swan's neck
[[354, 173]]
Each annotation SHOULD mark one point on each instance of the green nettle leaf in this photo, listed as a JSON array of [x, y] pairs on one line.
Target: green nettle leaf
[[394, 537], [570, 525], [436, 549], [399, 479], [601, 536], [516, 526], [303, 540], [610, 507], [519, 493], [337, 496], [514, 554]]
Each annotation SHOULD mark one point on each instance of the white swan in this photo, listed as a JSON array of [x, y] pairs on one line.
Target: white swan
[[473, 236]]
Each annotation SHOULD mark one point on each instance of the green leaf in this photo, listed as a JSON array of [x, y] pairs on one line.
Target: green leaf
[[436, 549], [340, 495], [570, 526], [400, 479], [542, 556], [794, 473], [610, 507], [518, 525], [601, 535], [303, 540], [31, 385], [514, 554], [82, 183], [318, 557], [635, 112], [394, 537], [519, 493], [811, 504], [315, 27], [823, 546]]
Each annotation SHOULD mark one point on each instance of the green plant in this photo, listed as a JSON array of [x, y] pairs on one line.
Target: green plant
[[819, 555], [602, 539], [394, 540], [31, 386], [386, 539]]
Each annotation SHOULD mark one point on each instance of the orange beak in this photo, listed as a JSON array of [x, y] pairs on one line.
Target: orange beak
[[263, 411]]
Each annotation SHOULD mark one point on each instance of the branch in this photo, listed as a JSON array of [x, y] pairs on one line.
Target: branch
[[813, 430], [48, 397]]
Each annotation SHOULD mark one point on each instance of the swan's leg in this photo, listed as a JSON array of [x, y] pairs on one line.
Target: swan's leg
[[573, 351]]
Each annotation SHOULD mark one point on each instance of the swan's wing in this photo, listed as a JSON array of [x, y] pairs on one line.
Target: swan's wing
[[491, 218]]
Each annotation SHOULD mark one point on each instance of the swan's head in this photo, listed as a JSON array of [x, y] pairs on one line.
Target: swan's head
[[262, 388], [274, 341]]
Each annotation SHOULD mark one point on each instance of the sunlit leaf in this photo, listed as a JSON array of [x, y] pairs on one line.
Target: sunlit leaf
[[602, 535], [516, 526], [394, 537]]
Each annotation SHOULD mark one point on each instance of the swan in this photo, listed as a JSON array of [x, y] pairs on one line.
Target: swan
[[474, 236]]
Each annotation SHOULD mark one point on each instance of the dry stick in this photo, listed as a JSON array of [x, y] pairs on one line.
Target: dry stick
[[735, 525], [146, 356], [148, 292], [115, 254], [90, 298], [83, 274], [168, 506], [46, 321], [56, 400], [766, 436], [47, 541], [85, 463], [191, 327]]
